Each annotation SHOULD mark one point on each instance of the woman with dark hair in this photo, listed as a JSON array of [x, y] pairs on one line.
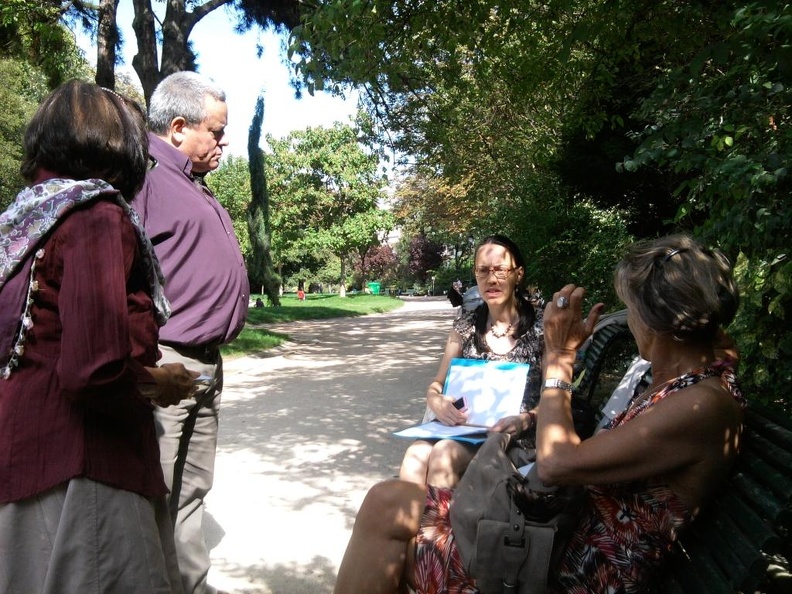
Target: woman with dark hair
[[81, 488], [647, 474], [505, 327]]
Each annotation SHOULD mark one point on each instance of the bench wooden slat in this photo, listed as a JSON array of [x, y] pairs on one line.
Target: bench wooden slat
[[753, 463], [750, 524], [741, 563], [682, 576], [774, 422], [588, 371], [775, 455], [671, 586], [702, 576], [765, 504]]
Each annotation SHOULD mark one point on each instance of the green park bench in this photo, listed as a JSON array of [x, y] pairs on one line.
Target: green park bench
[[743, 541]]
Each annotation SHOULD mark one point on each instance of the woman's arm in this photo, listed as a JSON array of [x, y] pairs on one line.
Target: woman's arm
[[679, 432], [97, 247], [682, 431], [442, 405]]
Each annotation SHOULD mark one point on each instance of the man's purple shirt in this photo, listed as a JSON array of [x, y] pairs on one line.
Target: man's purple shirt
[[205, 276]]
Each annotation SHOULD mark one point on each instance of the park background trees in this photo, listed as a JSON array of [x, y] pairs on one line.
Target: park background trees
[[573, 126], [653, 116], [37, 53], [325, 192]]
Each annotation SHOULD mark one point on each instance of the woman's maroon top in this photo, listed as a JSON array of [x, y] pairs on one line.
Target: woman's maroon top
[[73, 408]]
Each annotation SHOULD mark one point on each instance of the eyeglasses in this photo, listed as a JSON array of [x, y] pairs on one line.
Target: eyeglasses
[[500, 272], [152, 163]]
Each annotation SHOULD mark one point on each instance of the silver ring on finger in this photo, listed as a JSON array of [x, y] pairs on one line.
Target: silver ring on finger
[[562, 302]]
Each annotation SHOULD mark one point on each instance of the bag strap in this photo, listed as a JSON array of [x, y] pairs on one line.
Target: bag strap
[[514, 544], [539, 541]]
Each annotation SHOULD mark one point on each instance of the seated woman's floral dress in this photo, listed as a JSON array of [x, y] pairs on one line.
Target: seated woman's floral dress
[[627, 528]]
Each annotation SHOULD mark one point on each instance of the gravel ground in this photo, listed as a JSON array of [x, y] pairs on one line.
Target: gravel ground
[[304, 432]]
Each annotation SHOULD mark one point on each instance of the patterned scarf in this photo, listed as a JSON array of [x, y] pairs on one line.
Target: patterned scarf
[[34, 213]]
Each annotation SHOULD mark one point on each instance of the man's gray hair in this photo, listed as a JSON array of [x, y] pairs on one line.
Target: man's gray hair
[[182, 94]]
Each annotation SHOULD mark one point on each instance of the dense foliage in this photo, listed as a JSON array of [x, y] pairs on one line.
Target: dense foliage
[[577, 124], [722, 120], [37, 53], [21, 87], [324, 197], [231, 184]]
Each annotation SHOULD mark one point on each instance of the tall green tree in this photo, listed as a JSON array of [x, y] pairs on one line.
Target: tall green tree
[[324, 197], [722, 119], [260, 267], [22, 86], [38, 53], [230, 183], [32, 31]]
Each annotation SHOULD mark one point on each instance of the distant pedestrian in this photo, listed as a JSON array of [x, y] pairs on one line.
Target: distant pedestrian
[[300, 294], [259, 302], [454, 296]]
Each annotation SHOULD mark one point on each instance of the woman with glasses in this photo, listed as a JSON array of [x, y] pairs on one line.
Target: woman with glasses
[[646, 475], [505, 327]]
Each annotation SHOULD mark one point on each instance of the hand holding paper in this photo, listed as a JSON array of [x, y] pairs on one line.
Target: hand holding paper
[[490, 391]]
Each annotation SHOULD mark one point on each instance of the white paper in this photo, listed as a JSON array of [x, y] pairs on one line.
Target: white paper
[[524, 470], [493, 389], [436, 430]]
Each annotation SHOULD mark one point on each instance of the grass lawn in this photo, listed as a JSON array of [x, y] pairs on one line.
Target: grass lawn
[[255, 338]]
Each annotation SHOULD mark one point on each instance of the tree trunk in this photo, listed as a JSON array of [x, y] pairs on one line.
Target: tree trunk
[[145, 60], [106, 44], [342, 288], [176, 29]]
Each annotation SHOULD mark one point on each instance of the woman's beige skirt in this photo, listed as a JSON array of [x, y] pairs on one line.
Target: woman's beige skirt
[[86, 537]]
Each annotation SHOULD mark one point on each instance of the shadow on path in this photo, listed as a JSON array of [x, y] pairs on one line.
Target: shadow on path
[[305, 433]]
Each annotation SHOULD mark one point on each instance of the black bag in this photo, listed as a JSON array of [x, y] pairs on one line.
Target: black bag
[[511, 529]]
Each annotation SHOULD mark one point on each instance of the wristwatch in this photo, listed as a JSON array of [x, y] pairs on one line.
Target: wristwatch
[[557, 383]]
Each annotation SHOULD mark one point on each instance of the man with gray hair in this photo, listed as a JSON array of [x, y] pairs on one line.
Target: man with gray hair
[[206, 283]]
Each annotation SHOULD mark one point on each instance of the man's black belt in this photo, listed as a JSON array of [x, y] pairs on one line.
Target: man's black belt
[[204, 353]]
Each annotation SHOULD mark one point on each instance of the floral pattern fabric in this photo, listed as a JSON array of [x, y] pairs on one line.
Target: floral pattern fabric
[[626, 531], [38, 208], [438, 564]]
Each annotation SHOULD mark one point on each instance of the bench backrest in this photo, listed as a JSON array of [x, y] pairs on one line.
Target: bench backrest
[[741, 542]]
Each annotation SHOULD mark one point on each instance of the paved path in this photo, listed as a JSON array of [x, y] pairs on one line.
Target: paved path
[[305, 433]]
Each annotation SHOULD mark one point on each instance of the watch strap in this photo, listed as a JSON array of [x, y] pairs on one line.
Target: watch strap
[[557, 383]]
